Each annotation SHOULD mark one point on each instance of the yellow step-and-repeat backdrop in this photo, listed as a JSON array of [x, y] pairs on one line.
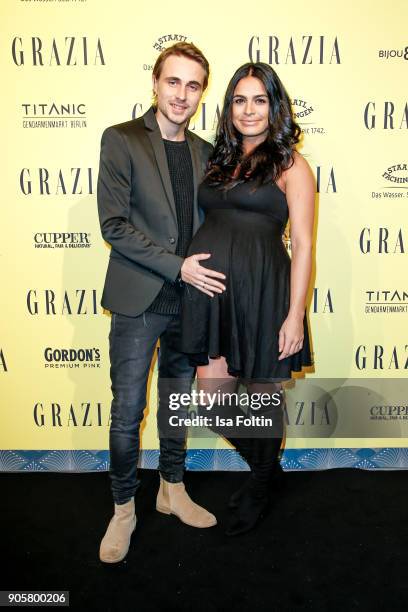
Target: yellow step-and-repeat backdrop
[[71, 68]]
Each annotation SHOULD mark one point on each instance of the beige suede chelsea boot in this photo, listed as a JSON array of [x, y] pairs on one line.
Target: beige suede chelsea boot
[[115, 543], [173, 498]]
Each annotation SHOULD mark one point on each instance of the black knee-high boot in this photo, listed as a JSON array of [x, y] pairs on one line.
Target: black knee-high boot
[[250, 502], [275, 471]]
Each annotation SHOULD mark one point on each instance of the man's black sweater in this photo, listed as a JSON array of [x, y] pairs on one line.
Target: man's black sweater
[[181, 175]]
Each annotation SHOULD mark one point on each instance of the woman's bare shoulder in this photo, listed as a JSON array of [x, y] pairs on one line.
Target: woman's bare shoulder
[[299, 170], [299, 163]]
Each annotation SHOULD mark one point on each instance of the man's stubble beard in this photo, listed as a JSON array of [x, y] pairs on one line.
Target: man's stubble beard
[[185, 121]]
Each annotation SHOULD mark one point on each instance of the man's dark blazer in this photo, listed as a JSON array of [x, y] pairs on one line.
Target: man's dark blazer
[[137, 212]]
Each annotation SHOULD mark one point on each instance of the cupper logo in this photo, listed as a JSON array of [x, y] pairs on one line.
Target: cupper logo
[[62, 240]]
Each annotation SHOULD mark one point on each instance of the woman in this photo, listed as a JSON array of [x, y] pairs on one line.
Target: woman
[[256, 330]]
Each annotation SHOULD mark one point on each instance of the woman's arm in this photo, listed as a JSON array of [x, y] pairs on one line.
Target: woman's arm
[[300, 196]]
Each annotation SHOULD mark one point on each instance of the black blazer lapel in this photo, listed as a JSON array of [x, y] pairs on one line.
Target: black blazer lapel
[[154, 134]]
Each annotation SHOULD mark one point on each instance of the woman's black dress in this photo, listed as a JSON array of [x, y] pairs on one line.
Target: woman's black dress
[[243, 231]]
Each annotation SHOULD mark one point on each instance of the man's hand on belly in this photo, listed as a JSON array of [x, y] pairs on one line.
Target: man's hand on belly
[[200, 277]]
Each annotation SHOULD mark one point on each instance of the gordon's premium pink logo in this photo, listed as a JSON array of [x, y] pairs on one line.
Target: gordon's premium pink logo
[[57, 358]]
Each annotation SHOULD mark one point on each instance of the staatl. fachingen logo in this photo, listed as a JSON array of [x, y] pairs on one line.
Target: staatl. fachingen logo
[[161, 43], [394, 185], [304, 114]]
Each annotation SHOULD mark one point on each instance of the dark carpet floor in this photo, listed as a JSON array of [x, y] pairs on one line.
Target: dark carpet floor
[[333, 540]]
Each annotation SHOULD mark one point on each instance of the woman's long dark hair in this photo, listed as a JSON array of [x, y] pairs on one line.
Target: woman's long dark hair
[[270, 158]]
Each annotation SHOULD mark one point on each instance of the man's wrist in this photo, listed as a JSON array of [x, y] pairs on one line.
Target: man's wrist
[[178, 280]]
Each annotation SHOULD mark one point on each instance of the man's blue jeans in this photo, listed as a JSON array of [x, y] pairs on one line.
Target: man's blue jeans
[[132, 341]]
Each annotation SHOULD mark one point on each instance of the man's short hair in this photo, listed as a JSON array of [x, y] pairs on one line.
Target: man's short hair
[[183, 49]]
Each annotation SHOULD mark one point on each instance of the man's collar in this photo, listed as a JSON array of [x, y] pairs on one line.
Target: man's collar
[[150, 120]]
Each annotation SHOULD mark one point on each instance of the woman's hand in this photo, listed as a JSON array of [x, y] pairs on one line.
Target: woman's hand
[[291, 335]]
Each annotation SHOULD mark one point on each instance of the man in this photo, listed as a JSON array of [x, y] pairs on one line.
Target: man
[[147, 202]]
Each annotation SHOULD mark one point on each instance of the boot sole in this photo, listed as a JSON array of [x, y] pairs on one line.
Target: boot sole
[[167, 511], [111, 561]]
